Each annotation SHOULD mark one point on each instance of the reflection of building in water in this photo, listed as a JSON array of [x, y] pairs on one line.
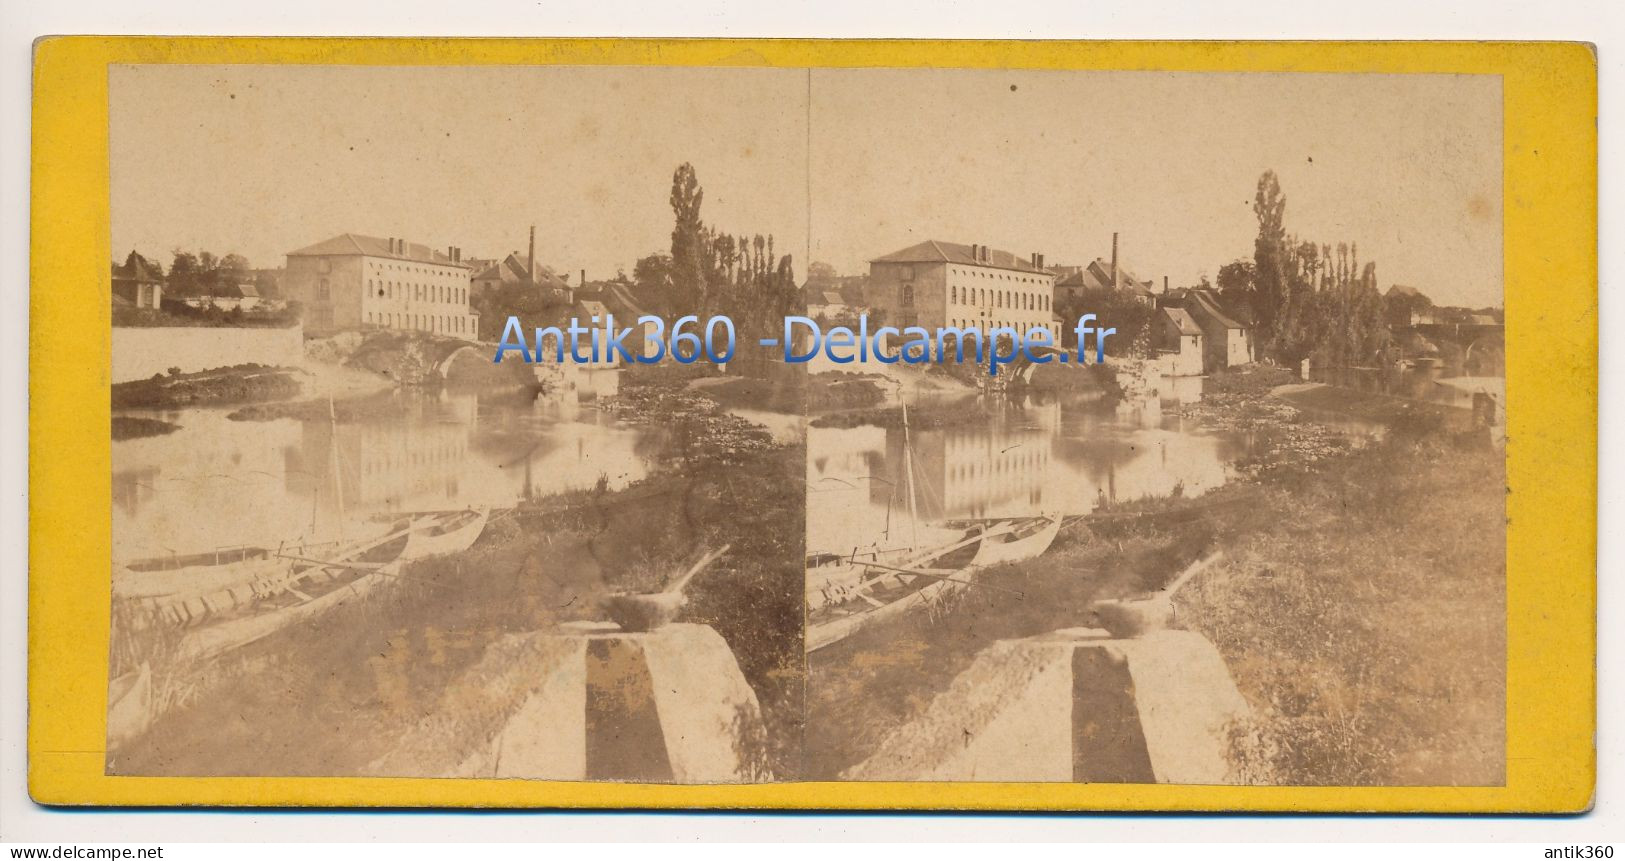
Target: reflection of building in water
[[968, 472], [1180, 390], [384, 466], [847, 454]]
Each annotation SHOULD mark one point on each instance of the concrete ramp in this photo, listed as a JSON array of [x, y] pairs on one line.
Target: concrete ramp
[[1074, 706], [668, 705]]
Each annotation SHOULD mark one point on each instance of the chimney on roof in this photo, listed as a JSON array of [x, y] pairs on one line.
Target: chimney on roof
[[530, 259], [583, 281], [1165, 284], [1114, 261]]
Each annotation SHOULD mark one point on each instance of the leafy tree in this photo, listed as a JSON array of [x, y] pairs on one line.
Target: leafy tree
[[184, 273], [1398, 306], [688, 240], [1236, 288], [1271, 289], [234, 263], [820, 272]]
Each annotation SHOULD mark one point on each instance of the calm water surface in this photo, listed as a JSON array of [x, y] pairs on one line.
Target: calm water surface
[[1041, 454], [217, 483]]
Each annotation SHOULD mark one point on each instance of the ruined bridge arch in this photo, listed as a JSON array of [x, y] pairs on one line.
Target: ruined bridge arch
[[1022, 367]]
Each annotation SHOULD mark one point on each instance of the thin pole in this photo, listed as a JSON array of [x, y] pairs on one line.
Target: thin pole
[[333, 451], [908, 465]]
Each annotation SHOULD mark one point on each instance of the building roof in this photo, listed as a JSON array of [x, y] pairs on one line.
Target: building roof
[[372, 246], [619, 298], [1126, 279], [1200, 302], [1182, 319], [1097, 275], [237, 290], [137, 268], [933, 251], [514, 270], [1403, 290]]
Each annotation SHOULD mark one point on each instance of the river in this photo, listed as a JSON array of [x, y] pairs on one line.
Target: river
[[218, 483], [1041, 453]]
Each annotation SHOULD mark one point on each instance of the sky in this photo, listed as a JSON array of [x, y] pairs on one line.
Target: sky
[[854, 163]]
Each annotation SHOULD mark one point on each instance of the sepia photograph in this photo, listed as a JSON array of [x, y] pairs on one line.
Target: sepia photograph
[[349, 543], [498, 422], [1259, 537]]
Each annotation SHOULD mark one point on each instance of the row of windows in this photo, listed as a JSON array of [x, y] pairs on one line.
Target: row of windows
[[426, 322], [1006, 276], [421, 270], [989, 325], [432, 292], [384, 461], [999, 468], [996, 298]]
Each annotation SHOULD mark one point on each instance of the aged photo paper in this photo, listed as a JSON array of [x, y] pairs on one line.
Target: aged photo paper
[[1241, 521]]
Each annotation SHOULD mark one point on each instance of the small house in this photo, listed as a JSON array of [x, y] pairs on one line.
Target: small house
[[138, 282], [1178, 341]]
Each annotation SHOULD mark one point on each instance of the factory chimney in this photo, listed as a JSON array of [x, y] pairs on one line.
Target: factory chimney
[[530, 258], [1114, 261]]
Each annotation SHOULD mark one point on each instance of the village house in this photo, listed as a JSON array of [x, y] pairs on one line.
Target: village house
[[229, 294], [944, 284], [138, 282], [832, 296], [515, 270], [357, 282], [1178, 341], [1226, 342], [1099, 277]]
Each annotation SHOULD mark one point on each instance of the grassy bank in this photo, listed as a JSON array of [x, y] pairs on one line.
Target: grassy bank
[[218, 386], [414, 678], [1360, 606]]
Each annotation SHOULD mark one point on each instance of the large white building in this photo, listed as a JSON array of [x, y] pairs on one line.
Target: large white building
[[935, 284], [363, 282]]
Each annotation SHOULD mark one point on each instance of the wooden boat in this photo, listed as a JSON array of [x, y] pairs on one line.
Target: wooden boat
[[1024, 541], [222, 637], [846, 598], [445, 533], [186, 590], [859, 593], [129, 704]]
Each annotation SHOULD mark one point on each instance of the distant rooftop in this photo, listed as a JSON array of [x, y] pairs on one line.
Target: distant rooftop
[[935, 251], [372, 246]]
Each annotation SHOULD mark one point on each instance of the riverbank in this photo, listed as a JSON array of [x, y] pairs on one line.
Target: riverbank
[[1360, 606], [134, 427], [236, 384], [400, 666]]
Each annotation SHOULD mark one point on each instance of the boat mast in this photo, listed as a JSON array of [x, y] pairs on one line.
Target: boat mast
[[908, 467], [333, 452]]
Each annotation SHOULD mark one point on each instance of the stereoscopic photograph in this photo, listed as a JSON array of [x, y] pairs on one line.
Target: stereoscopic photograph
[[749, 425]]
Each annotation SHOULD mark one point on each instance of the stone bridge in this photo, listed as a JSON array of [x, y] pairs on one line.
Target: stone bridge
[[1473, 340]]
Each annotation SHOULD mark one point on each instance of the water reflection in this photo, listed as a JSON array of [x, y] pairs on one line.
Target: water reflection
[[1039, 455], [1436, 385], [217, 483]]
